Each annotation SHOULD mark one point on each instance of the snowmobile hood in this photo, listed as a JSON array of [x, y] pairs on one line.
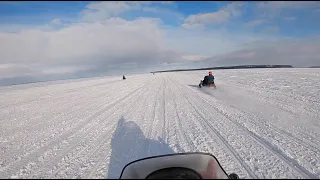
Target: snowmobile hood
[[175, 166]]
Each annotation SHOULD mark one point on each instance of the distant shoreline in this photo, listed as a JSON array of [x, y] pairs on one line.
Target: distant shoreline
[[314, 67], [229, 67]]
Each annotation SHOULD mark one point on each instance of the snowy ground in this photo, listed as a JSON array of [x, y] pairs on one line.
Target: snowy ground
[[262, 123]]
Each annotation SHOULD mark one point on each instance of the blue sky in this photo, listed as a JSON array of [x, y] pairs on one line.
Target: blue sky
[[290, 22], [73, 38]]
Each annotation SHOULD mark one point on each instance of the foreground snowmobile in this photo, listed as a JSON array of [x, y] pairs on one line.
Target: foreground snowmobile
[[176, 166], [208, 81], [211, 85]]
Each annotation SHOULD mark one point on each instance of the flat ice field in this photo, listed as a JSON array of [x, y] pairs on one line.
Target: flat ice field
[[261, 123]]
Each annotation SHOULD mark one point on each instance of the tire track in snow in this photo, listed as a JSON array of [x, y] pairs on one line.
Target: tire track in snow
[[130, 108], [57, 113], [160, 111], [279, 131], [172, 136], [29, 143], [271, 148], [187, 144], [292, 162], [297, 139], [139, 116], [152, 124], [104, 160], [311, 162], [275, 150], [138, 150], [252, 112], [287, 107], [169, 125], [104, 136], [24, 160], [275, 130], [224, 142], [63, 94], [100, 149], [165, 129], [186, 119], [183, 103], [248, 111], [285, 104], [198, 133], [300, 98], [19, 151], [232, 151]]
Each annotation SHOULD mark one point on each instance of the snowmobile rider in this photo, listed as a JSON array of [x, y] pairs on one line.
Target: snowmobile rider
[[123, 77], [208, 80]]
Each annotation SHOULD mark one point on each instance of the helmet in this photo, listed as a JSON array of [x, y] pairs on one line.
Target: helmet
[[210, 73]]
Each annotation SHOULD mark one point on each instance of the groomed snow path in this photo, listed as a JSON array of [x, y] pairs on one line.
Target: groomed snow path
[[261, 123]]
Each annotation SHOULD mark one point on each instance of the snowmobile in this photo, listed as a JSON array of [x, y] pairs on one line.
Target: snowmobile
[[195, 165], [123, 77], [208, 81], [211, 85]]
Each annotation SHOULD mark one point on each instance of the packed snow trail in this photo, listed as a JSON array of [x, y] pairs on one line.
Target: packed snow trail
[[262, 123]]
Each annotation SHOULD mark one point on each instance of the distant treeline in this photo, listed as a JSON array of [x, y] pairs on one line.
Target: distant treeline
[[314, 67], [230, 67]]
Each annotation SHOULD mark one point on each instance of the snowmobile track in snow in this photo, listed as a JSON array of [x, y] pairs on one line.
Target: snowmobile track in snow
[[292, 163], [22, 162], [258, 123], [222, 140]]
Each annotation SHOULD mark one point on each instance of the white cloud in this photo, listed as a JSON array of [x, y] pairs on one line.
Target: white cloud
[[56, 21], [104, 10], [165, 2], [271, 29], [235, 9], [11, 70], [193, 26], [254, 23], [195, 57], [297, 52], [275, 9], [113, 38], [206, 18], [14, 27], [65, 69], [98, 11], [93, 47], [105, 42], [163, 12], [231, 10], [289, 4]]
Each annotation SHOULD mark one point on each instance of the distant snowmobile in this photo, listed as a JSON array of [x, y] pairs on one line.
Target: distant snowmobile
[[177, 166], [123, 77], [208, 81]]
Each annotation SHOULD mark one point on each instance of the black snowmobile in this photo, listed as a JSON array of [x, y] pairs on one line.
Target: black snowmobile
[[208, 81], [123, 77], [208, 84], [177, 166]]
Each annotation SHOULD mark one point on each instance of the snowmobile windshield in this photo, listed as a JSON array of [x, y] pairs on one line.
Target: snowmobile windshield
[[175, 166], [174, 173]]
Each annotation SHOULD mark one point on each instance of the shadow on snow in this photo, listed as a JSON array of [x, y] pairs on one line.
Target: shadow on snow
[[129, 143]]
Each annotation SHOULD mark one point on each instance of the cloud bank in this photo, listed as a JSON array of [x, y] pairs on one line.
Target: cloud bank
[[113, 38]]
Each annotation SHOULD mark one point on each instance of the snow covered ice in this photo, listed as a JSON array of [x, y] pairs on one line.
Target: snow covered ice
[[261, 123]]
